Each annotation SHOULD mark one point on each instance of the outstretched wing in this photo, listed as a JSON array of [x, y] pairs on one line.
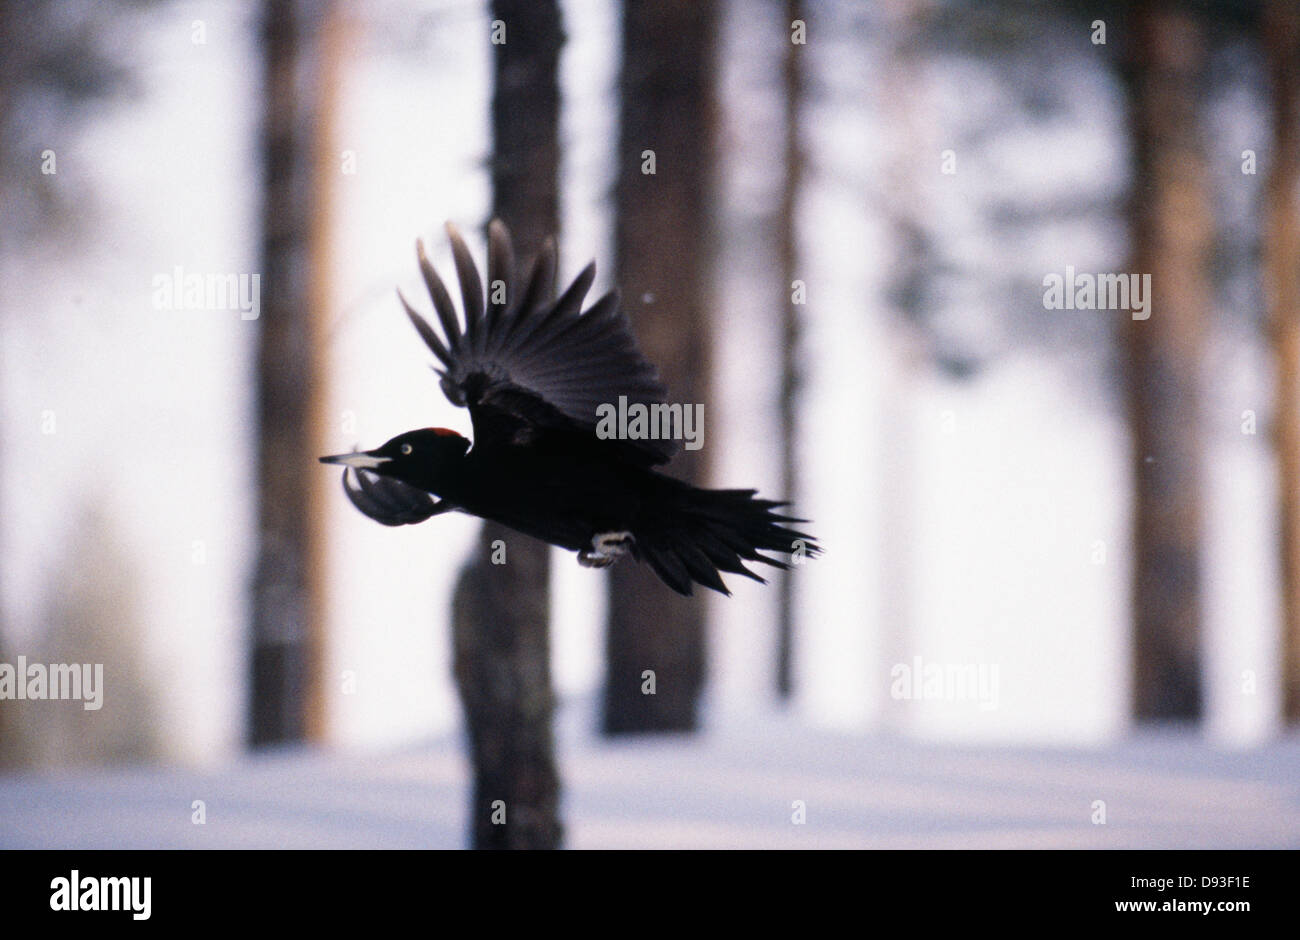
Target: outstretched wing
[[526, 362]]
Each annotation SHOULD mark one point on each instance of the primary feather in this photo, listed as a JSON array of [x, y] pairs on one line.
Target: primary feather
[[526, 358]]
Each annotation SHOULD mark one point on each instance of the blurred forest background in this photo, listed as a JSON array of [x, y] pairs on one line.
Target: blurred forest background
[[831, 223]]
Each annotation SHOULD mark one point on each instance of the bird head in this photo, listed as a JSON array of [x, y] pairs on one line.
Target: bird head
[[416, 457]]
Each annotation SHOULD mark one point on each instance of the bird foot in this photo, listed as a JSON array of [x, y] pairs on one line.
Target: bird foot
[[606, 548]]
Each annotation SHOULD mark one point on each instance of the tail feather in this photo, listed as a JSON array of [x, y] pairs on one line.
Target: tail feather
[[666, 564], [705, 532]]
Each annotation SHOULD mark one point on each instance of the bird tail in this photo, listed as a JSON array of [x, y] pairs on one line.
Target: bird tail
[[700, 533]]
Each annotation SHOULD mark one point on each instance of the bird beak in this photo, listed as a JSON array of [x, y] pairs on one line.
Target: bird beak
[[357, 460]]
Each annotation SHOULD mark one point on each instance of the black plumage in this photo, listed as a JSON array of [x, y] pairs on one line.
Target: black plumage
[[533, 370]]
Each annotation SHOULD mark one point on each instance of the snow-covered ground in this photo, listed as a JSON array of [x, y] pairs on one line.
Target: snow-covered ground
[[737, 787]]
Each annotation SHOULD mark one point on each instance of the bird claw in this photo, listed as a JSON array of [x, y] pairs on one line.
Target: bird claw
[[606, 548]]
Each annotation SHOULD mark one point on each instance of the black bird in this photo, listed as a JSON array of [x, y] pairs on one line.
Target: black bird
[[533, 371]]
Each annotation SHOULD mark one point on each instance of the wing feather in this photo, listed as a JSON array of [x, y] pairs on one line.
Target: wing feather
[[534, 360]]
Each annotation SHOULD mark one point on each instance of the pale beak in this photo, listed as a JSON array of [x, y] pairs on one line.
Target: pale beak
[[358, 461]]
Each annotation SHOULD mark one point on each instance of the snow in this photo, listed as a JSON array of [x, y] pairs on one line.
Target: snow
[[733, 787]]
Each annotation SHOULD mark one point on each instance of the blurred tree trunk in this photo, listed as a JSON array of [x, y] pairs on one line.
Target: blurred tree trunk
[[54, 62], [906, 102], [1171, 232], [300, 46], [1281, 37], [501, 618], [10, 74], [792, 81], [661, 250]]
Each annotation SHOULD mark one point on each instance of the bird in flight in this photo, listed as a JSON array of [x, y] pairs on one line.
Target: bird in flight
[[535, 371]]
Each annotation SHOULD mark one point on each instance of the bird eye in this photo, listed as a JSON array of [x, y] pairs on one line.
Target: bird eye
[[406, 449]]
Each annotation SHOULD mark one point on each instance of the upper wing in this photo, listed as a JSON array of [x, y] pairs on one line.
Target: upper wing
[[526, 361]]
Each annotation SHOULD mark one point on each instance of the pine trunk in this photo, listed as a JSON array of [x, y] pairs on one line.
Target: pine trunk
[[787, 249], [1172, 228], [1281, 36], [501, 622], [300, 43], [661, 235]]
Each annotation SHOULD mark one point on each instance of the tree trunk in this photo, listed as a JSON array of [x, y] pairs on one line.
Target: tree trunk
[[907, 108], [661, 235], [300, 46], [1171, 237], [501, 621], [10, 66], [1281, 36], [787, 236]]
